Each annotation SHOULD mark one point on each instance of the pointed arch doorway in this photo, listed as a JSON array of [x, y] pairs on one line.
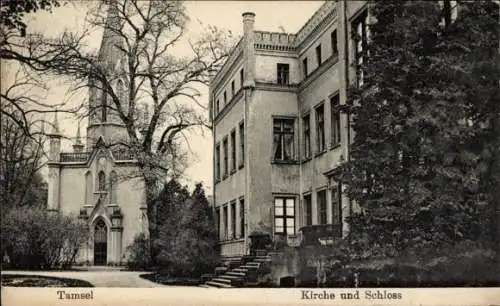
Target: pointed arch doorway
[[100, 243]]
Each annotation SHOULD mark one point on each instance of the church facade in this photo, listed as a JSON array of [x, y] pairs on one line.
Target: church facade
[[99, 182]]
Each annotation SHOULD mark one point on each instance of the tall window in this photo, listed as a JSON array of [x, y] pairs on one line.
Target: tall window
[[233, 220], [226, 164], [333, 38], [113, 182], [225, 98], [120, 88], [233, 150], [283, 73], [217, 162], [217, 220], [104, 106], [217, 107], [450, 11], [284, 215], [321, 201], [232, 88], [320, 128], [307, 210], [283, 139], [226, 223], [335, 120], [89, 188], [304, 67], [318, 54], [242, 143], [241, 77], [360, 26], [242, 217], [336, 193], [306, 128], [101, 181]]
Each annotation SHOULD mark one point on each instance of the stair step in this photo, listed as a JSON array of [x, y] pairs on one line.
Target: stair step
[[262, 256], [230, 277], [240, 270], [251, 267], [222, 280], [262, 260], [205, 286], [216, 284], [236, 273], [254, 264]]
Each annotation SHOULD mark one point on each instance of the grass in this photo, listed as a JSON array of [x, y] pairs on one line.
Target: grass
[[17, 280]]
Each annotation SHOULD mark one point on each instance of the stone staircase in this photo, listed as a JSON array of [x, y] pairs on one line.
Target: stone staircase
[[242, 273]]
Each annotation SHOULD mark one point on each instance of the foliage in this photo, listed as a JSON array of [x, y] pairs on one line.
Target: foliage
[[35, 238], [187, 241], [465, 264], [414, 166], [139, 257], [12, 12]]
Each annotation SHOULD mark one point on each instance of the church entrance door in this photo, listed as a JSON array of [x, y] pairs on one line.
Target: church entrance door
[[100, 243]]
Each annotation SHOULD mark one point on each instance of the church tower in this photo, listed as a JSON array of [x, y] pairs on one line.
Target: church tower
[[104, 120]]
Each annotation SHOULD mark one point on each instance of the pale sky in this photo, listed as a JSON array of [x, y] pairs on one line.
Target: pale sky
[[270, 16]]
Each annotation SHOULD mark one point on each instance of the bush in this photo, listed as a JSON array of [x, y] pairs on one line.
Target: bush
[[466, 264], [37, 239], [139, 256]]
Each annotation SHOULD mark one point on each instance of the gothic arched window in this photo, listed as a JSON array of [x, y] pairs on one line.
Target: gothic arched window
[[120, 88], [102, 181], [88, 188], [104, 106], [113, 178]]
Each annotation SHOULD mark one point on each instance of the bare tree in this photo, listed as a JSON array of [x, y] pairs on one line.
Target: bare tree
[[21, 158], [24, 60], [158, 96]]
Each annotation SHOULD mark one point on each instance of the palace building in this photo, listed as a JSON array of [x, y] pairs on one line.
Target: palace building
[[99, 182], [278, 135]]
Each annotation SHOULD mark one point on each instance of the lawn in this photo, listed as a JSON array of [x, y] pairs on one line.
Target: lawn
[[17, 280]]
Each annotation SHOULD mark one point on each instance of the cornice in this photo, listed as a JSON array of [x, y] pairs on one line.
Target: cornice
[[332, 60], [316, 20], [234, 54], [229, 106], [276, 87]]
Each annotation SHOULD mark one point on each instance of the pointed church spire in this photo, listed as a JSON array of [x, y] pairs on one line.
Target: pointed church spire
[[78, 145], [55, 127], [111, 38]]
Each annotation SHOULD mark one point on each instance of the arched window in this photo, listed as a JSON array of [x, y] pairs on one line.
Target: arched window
[[102, 181], [88, 188], [113, 178], [120, 88], [104, 106]]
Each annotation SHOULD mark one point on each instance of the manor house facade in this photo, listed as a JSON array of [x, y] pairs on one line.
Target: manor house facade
[[278, 132]]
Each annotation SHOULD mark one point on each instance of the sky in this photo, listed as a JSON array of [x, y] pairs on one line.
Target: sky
[[277, 16]]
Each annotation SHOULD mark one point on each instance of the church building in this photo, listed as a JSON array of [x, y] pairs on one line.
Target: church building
[[100, 182]]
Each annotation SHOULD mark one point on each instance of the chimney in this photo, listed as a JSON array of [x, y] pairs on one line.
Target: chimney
[[248, 49]]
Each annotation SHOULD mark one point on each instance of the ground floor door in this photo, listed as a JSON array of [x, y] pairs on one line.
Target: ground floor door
[[100, 243]]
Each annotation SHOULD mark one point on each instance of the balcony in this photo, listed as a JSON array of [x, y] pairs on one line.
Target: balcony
[[321, 234], [74, 157], [123, 155]]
